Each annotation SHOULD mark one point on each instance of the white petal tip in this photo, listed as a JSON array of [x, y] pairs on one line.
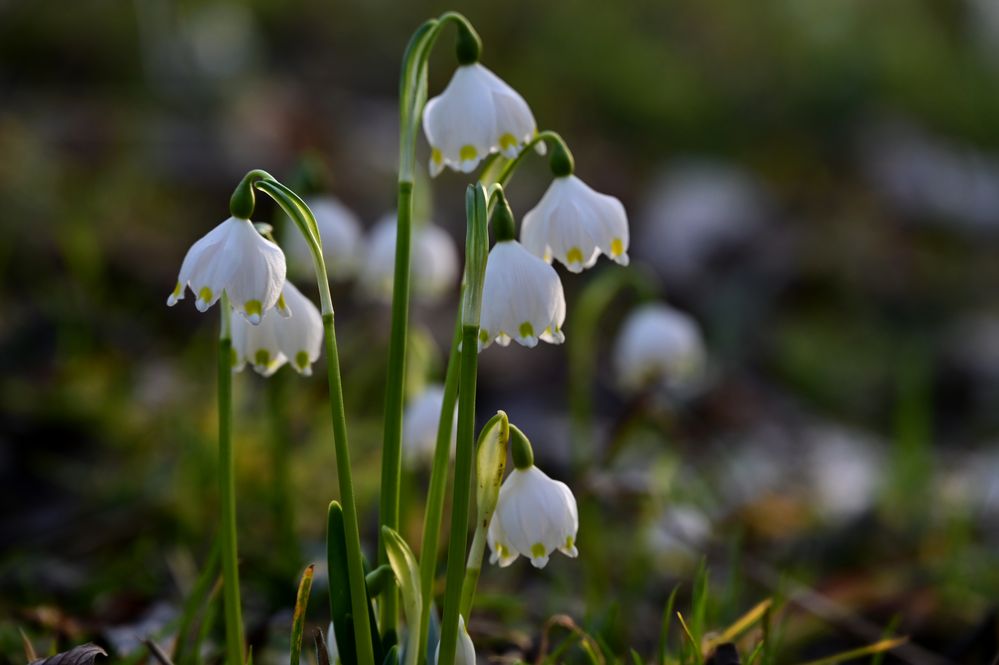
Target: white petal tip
[[306, 371], [539, 561], [571, 552], [172, 300], [202, 305], [253, 318], [529, 342], [621, 260]]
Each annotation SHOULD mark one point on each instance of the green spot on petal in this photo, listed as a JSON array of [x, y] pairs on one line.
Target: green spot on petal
[[262, 358], [435, 156], [302, 359], [233, 357], [569, 542], [538, 550], [205, 294], [574, 255], [177, 290], [617, 247], [281, 304], [253, 307], [504, 552], [468, 152], [483, 336], [526, 329], [508, 141]]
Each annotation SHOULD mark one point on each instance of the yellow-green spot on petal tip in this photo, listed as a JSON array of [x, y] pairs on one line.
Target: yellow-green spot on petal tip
[[262, 358], [569, 542], [508, 141], [253, 307], [435, 156], [468, 152], [538, 550], [281, 304], [617, 247], [483, 336], [177, 290], [302, 359], [575, 255], [205, 294], [233, 357], [526, 329]]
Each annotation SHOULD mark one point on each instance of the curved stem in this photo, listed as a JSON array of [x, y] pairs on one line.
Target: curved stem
[[511, 167], [227, 492], [299, 212]]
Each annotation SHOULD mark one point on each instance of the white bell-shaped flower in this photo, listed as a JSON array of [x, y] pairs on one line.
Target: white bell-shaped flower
[[236, 259], [464, 653], [522, 298], [658, 343], [574, 224], [300, 337], [535, 516], [433, 262], [420, 422], [276, 340], [257, 345], [340, 233], [477, 114]]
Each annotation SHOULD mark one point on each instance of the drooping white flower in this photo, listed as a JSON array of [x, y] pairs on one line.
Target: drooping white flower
[[535, 516], [236, 259], [477, 114], [420, 421], [340, 233], [574, 224], [300, 337], [522, 298], [658, 343], [257, 345], [464, 653], [277, 340], [433, 263]]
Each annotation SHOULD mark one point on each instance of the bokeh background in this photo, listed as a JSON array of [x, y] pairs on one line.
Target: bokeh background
[[816, 182]]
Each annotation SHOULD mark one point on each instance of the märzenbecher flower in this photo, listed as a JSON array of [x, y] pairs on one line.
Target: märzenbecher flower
[[522, 298], [296, 339], [233, 258], [477, 114], [575, 224]]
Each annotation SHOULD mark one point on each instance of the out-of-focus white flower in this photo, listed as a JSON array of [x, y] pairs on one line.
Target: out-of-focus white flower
[[464, 653], [695, 211], [679, 533], [419, 431], [535, 516], [574, 224], [236, 259], [477, 114], [276, 340], [434, 262], [843, 471], [522, 298], [340, 232], [657, 343]]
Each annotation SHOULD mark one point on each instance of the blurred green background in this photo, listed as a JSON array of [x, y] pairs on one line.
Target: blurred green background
[[817, 182]]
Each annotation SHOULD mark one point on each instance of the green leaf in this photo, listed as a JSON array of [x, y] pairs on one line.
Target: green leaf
[[407, 573], [336, 558]]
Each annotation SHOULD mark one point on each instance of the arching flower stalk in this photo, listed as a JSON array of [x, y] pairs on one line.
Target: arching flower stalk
[[341, 235]]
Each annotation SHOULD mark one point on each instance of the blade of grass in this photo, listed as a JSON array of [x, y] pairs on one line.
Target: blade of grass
[[741, 625], [877, 647], [695, 647], [298, 620], [195, 600], [29, 649], [664, 630]]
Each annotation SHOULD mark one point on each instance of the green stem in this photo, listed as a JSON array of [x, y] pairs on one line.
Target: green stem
[[227, 491], [434, 511], [394, 389], [586, 316], [461, 493], [299, 212], [472, 569], [510, 167]]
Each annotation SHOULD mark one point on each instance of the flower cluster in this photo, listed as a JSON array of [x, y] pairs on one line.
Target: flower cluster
[[278, 324]]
